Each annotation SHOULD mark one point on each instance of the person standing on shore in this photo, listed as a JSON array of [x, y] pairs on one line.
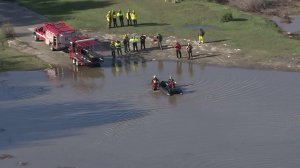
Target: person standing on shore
[[113, 49], [159, 41], [114, 18], [134, 18], [128, 18], [189, 49], [126, 43], [177, 46], [134, 41], [201, 36], [108, 18], [118, 47], [121, 18], [143, 41]]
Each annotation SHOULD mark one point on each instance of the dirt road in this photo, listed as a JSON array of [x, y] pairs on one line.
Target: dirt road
[[219, 53], [24, 21]]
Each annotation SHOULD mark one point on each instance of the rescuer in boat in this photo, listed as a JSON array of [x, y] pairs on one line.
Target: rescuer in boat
[[155, 83]]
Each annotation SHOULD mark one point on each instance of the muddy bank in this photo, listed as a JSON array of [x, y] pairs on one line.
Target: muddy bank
[[212, 52]]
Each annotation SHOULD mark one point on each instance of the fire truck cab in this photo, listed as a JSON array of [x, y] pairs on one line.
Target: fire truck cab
[[85, 51], [55, 34]]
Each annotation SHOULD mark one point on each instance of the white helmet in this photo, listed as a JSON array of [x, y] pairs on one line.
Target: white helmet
[[154, 76], [170, 77]]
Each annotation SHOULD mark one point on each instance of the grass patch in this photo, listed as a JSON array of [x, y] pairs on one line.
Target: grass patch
[[12, 60], [253, 34]]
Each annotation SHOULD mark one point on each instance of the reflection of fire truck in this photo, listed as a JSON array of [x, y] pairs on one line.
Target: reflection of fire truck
[[55, 34], [85, 51]]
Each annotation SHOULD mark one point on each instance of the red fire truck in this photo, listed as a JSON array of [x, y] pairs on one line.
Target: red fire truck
[[85, 51], [55, 34]]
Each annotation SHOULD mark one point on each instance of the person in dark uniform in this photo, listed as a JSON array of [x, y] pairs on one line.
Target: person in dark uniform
[[143, 41], [189, 49], [159, 40], [126, 43]]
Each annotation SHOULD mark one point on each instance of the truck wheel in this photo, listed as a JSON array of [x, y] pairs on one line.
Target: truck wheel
[[35, 37], [51, 47]]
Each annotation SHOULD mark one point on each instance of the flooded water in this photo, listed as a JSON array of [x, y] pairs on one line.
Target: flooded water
[[292, 27], [109, 117]]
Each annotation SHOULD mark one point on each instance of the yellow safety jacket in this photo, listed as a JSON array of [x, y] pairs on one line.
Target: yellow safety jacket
[[114, 16], [108, 17], [128, 15], [119, 14], [134, 40], [118, 45], [133, 16]]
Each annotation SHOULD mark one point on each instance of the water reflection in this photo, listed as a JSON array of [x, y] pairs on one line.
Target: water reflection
[[178, 68], [191, 71], [84, 78], [160, 65], [127, 65], [116, 67], [172, 100]]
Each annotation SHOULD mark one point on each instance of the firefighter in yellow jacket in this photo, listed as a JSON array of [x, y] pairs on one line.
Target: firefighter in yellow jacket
[[134, 41], [114, 18], [121, 18], [133, 18], [108, 18], [128, 18], [201, 36]]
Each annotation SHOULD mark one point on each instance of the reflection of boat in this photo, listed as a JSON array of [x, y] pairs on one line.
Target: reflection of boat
[[163, 86]]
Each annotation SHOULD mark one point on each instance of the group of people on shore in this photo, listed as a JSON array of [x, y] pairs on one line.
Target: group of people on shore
[[112, 17], [116, 45], [189, 47]]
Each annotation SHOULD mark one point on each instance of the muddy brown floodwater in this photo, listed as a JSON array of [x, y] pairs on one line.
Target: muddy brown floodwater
[[109, 117]]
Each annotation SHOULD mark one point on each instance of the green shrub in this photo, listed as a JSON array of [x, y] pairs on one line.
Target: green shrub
[[227, 17], [8, 30]]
